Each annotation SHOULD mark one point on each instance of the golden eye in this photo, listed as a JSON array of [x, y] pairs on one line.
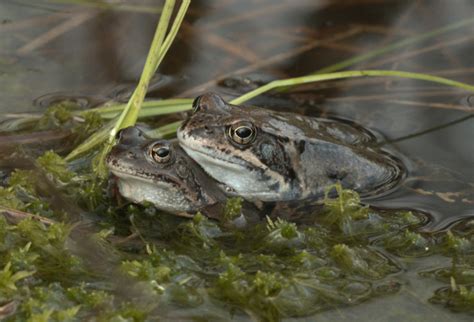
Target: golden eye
[[242, 133], [160, 153]]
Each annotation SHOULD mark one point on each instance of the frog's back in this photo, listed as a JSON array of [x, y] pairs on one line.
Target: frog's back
[[362, 169]]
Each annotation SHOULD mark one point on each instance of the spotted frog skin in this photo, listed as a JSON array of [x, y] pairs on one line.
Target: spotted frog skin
[[160, 172], [264, 155]]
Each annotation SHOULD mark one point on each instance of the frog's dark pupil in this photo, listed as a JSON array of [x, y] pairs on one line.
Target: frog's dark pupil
[[243, 132], [163, 152]]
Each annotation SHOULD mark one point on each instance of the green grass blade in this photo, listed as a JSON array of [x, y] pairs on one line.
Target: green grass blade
[[117, 107], [149, 108], [165, 130], [155, 111], [130, 113], [172, 127], [349, 74], [92, 142]]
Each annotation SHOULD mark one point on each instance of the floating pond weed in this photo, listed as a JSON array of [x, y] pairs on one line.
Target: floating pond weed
[[56, 116], [283, 236], [408, 243], [52, 179], [346, 206], [23, 180], [55, 166], [9, 199], [233, 209], [457, 244], [459, 298], [9, 278], [200, 232], [343, 210], [271, 270], [22, 194]]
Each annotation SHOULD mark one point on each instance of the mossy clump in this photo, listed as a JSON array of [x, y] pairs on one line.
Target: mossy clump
[[232, 209], [51, 189], [459, 298], [134, 262]]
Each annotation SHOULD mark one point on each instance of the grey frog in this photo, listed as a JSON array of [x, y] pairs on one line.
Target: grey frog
[[160, 172]]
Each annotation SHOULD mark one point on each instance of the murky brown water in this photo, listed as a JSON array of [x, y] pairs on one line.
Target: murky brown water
[[51, 50]]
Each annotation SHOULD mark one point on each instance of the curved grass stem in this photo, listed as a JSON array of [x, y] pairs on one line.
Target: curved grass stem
[[149, 108], [349, 74]]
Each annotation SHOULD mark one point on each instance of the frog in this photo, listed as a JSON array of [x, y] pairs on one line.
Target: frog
[[157, 171], [269, 156]]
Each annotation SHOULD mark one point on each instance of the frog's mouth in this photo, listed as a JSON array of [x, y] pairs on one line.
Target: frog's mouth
[[122, 175], [202, 156], [218, 157]]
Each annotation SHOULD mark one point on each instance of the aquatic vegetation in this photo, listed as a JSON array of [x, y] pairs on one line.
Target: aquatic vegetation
[[340, 254], [62, 115], [232, 209], [456, 297], [32, 190], [271, 270]]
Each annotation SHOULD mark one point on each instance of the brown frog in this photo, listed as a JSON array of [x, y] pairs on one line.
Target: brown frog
[[264, 155]]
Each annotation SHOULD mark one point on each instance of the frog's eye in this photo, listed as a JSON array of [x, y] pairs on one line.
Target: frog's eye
[[196, 102], [160, 153], [242, 133]]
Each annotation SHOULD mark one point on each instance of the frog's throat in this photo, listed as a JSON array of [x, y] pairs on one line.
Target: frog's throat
[[234, 175], [164, 196]]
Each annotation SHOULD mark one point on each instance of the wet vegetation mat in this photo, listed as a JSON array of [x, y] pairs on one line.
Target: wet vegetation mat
[[138, 263], [72, 250]]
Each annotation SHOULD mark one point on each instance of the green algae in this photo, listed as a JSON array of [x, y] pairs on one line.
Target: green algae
[[62, 115], [135, 263], [232, 209]]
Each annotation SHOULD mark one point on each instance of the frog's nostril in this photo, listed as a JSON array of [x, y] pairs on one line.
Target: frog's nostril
[[119, 134], [131, 155], [208, 130]]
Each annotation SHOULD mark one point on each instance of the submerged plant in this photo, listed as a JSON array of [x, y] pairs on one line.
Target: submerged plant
[[456, 297], [272, 270]]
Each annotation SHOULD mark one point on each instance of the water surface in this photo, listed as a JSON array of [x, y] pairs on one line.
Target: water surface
[[52, 50]]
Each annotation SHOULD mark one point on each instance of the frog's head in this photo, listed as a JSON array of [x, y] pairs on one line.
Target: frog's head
[[243, 148], [157, 171]]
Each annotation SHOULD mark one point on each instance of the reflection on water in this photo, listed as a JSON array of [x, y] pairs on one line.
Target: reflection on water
[[51, 50]]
